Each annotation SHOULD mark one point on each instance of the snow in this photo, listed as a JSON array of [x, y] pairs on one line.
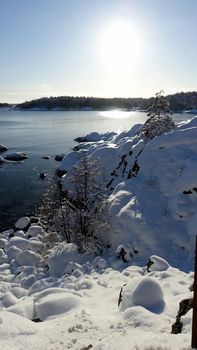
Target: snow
[[68, 301]]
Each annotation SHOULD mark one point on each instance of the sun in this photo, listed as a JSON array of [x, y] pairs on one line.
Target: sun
[[119, 47]]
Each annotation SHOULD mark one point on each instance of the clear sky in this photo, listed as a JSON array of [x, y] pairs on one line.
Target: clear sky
[[122, 48]]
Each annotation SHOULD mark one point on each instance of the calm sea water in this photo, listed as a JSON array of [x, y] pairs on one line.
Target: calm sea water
[[46, 134]]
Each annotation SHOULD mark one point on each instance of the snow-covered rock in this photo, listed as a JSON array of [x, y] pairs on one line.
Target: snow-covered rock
[[3, 243], [36, 245], [19, 242], [22, 223], [157, 264], [34, 231], [29, 258], [12, 252], [100, 263], [19, 233], [69, 160], [95, 136]]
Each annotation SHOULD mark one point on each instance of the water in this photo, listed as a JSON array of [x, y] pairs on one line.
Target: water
[[42, 134]]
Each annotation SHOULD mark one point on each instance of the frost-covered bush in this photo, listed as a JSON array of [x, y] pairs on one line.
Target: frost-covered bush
[[84, 207], [61, 256], [159, 120]]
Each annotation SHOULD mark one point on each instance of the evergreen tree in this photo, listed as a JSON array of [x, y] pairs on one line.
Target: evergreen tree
[[159, 120]]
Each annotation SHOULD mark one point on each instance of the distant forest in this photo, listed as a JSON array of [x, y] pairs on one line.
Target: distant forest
[[4, 105], [178, 102]]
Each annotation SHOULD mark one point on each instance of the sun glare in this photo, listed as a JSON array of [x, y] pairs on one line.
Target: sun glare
[[119, 47]]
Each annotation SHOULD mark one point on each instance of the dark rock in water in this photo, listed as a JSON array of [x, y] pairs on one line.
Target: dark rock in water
[[3, 148], [46, 157], [59, 157], [17, 156], [60, 173], [42, 175]]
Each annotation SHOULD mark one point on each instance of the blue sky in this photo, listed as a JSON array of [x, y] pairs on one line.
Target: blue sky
[[106, 48]]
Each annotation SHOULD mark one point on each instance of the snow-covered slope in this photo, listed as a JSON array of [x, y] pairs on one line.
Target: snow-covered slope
[[129, 297], [153, 189]]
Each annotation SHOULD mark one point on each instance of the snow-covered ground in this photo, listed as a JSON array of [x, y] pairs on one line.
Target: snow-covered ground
[[58, 299]]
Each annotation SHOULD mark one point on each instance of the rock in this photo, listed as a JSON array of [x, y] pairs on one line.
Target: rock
[[22, 223], [100, 263], [12, 252], [18, 242], [3, 148], [3, 243], [59, 157], [156, 263], [36, 246], [1, 252], [42, 176], [46, 157], [17, 156], [35, 231], [184, 306], [29, 258], [19, 233]]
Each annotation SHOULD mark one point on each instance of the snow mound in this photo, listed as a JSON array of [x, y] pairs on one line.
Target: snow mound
[[24, 308], [55, 304], [145, 292], [14, 326]]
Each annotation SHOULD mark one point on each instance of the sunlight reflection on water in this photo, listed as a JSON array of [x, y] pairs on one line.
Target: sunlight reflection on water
[[116, 114]]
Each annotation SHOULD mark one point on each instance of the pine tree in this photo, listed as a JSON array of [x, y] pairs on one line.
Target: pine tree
[[159, 120]]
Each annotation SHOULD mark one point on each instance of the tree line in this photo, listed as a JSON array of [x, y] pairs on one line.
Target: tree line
[[178, 102]]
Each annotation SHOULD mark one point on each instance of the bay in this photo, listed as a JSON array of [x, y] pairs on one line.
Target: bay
[[47, 134]]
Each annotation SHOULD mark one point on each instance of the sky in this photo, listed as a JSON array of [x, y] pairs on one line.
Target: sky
[[103, 48]]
